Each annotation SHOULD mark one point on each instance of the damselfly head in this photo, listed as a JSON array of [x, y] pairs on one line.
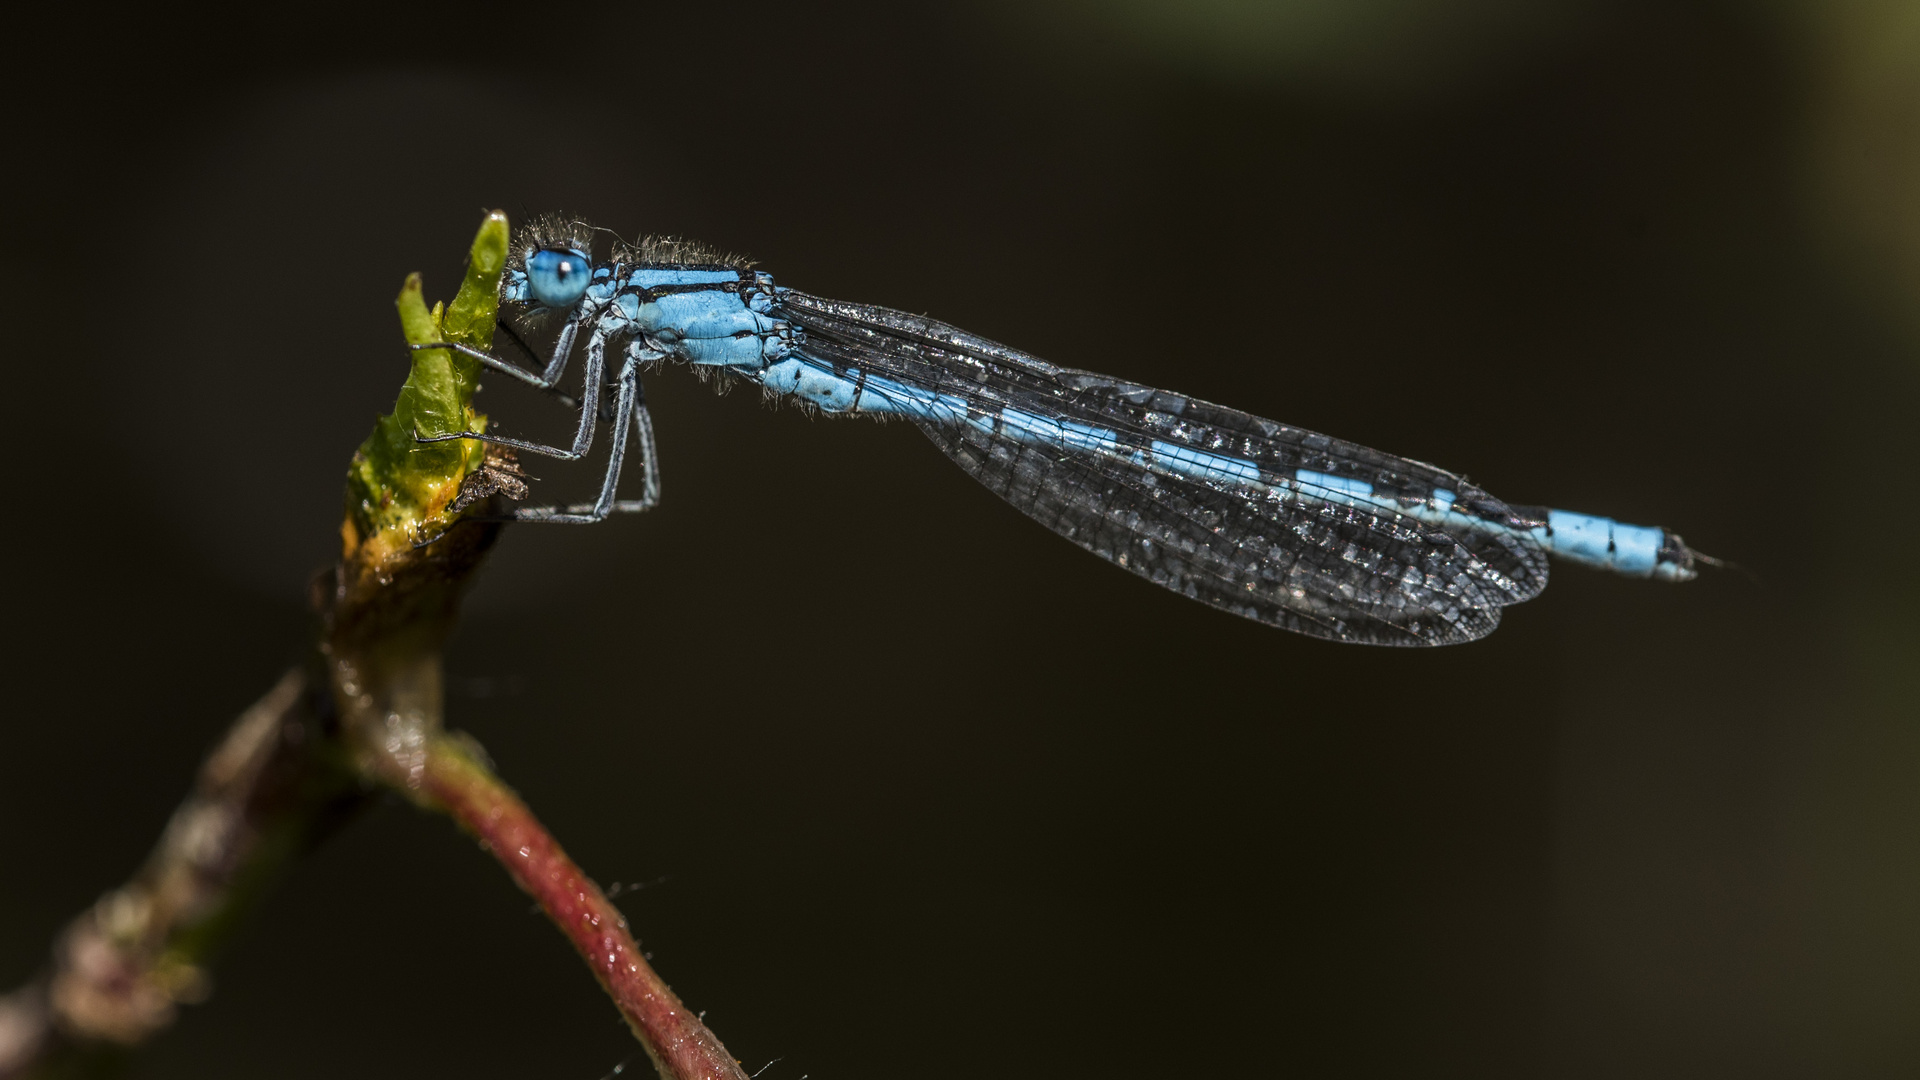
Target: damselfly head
[[551, 264], [558, 277]]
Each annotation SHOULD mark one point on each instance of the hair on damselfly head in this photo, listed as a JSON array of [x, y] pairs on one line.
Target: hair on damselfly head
[[545, 232]]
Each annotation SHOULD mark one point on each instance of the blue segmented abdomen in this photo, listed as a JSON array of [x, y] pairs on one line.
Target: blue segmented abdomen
[[1631, 550], [1634, 550]]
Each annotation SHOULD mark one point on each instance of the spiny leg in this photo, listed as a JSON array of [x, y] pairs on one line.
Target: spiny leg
[[487, 359], [589, 412], [649, 461], [632, 403], [526, 350], [548, 380]]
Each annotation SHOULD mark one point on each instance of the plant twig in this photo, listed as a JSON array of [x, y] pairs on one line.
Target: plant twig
[[266, 794], [460, 784], [367, 711]]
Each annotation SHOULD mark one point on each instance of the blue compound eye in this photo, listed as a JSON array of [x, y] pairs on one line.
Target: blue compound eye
[[557, 277]]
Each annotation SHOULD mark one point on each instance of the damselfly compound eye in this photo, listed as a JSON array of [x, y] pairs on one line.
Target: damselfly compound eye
[[557, 276]]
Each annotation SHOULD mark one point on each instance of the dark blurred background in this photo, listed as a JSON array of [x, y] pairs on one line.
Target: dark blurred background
[[915, 787]]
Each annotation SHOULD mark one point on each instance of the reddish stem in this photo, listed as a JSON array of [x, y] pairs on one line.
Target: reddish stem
[[681, 1046]]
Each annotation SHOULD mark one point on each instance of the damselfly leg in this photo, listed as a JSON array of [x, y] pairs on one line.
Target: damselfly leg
[[632, 402], [630, 411], [548, 380], [589, 407]]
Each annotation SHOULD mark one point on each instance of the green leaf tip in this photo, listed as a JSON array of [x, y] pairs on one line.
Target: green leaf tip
[[397, 484], [469, 319]]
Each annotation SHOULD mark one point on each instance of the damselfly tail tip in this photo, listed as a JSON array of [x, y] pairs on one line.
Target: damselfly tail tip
[[1728, 564], [1678, 562]]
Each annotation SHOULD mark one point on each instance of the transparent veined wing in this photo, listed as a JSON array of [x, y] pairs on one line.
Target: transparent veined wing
[[1272, 522]]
